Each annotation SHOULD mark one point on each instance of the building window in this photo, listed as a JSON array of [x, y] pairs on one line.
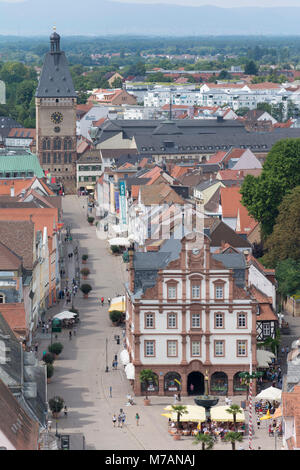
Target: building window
[[149, 348], [2, 299], [241, 348], [149, 320], [172, 348], [44, 158], [196, 320], [68, 144], [196, 348], [219, 320], [57, 143], [70, 158], [196, 291], [172, 292], [48, 157], [54, 157], [172, 320], [219, 348], [46, 144], [266, 329], [65, 157], [242, 320]]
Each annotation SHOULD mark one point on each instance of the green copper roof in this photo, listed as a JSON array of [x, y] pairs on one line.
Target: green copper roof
[[20, 163]]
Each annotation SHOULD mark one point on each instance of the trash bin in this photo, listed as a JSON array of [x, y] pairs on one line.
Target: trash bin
[[243, 404]]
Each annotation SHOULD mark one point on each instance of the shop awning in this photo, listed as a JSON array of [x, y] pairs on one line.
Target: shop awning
[[66, 315], [129, 371], [124, 357], [194, 414], [278, 413], [270, 393], [119, 241], [219, 413], [118, 303]]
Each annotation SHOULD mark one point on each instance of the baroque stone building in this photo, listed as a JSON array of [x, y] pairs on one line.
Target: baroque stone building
[[56, 117]]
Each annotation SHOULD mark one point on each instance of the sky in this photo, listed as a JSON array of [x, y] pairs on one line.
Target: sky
[[223, 3], [218, 3]]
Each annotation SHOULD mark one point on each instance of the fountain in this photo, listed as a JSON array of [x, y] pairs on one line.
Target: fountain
[[206, 400]]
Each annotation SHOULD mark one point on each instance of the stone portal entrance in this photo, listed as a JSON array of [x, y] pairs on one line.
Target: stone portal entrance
[[195, 383]]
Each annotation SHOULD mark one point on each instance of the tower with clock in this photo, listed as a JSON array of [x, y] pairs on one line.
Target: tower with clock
[[56, 117]]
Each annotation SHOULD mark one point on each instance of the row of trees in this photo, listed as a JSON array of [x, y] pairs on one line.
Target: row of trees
[[21, 83], [273, 199]]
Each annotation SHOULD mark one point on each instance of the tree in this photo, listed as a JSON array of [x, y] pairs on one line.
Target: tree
[[117, 83], [288, 277], [233, 437], [251, 68], [264, 107], [180, 410], [147, 377], [273, 343], [283, 242], [206, 440], [224, 74], [242, 111], [281, 172], [56, 404], [234, 410], [56, 348]]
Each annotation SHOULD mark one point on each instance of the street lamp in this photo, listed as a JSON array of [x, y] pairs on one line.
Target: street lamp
[[106, 341], [247, 378]]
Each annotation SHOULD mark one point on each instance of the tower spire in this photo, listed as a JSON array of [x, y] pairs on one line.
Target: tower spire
[[55, 41]]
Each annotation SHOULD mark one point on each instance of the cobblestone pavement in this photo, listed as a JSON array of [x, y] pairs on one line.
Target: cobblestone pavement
[[79, 373]]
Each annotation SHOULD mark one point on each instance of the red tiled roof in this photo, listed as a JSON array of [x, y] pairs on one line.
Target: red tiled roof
[[22, 133], [135, 191], [217, 158], [232, 208], [180, 170], [99, 122]]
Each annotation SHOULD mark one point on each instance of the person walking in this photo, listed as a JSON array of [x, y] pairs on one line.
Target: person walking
[[114, 420], [66, 411], [36, 347], [109, 300], [137, 418], [123, 417], [70, 334], [102, 301], [74, 330], [119, 421]]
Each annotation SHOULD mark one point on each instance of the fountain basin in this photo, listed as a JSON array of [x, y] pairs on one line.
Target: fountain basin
[[207, 401]]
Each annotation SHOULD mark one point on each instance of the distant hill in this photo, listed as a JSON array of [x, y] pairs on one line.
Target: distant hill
[[102, 17]]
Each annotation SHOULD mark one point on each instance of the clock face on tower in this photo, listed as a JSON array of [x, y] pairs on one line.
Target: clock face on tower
[[56, 117]]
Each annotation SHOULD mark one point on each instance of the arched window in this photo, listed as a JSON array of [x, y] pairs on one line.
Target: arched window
[[2, 298], [68, 144], [219, 383], [238, 384], [151, 386], [46, 144], [57, 143], [172, 382]]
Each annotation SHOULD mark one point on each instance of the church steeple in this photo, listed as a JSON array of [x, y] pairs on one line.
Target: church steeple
[[55, 41]]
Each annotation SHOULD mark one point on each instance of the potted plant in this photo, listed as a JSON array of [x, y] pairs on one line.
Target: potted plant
[[56, 404], [84, 258], [90, 220], [206, 440], [115, 316], [49, 371], [85, 289], [233, 437], [115, 249], [147, 377], [48, 358], [180, 410], [56, 349], [85, 272]]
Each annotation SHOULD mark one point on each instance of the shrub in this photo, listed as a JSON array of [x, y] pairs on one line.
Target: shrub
[[56, 404], [90, 220], [50, 371], [55, 348], [84, 257], [48, 358], [115, 316], [85, 288], [115, 249], [85, 271]]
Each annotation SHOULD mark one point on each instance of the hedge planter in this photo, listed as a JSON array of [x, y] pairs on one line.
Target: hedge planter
[[85, 272], [50, 371], [115, 316], [84, 258], [56, 404], [56, 349], [147, 402], [48, 358], [85, 289], [176, 437], [91, 220]]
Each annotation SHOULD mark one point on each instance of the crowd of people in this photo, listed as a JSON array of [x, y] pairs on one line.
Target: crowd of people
[[216, 429]]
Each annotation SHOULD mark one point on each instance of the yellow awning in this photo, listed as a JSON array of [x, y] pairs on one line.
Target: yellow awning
[[219, 413], [118, 303], [194, 414], [266, 416]]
